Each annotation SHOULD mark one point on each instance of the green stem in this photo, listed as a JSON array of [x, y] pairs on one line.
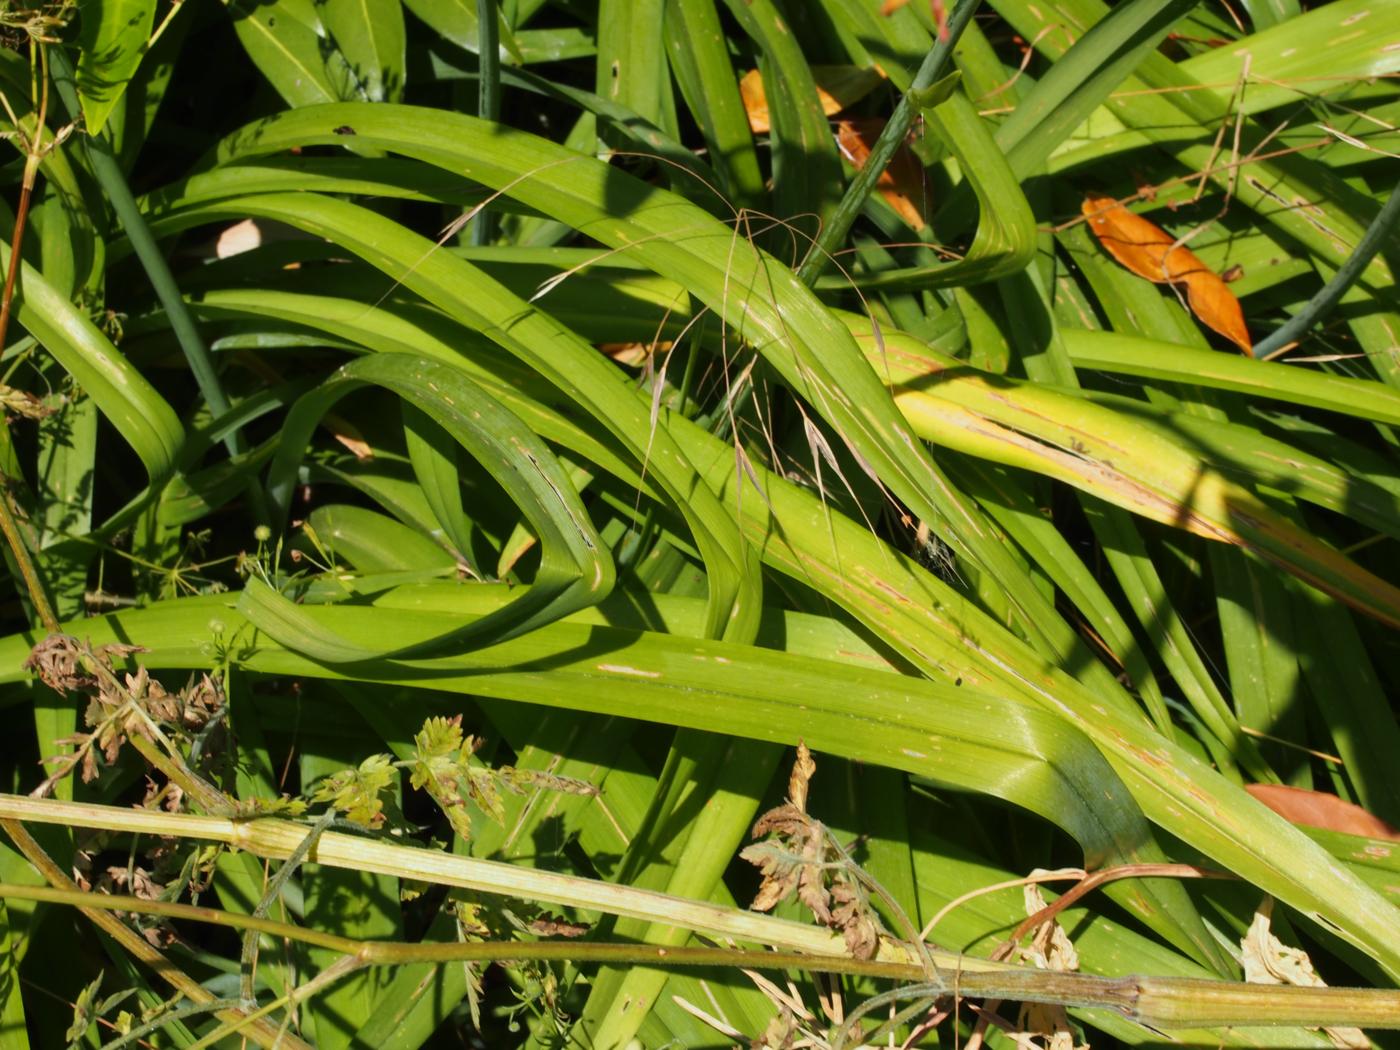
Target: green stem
[[1320, 305], [9, 524], [92, 906], [833, 234], [488, 97], [1159, 1001], [114, 185], [176, 1013], [248, 960]]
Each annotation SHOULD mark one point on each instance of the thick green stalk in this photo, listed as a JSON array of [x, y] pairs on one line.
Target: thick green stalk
[[1159, 1002], [1165, 1001], [488, 97], [1320, 305], [833, 234]]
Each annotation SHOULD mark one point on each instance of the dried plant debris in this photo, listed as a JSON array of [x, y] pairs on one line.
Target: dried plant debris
[[801, 857], [781, 1034], [1046, 1026], [1267, 960], [119, 706]]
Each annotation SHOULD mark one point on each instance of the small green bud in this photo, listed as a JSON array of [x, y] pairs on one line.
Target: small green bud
[[262, 534]]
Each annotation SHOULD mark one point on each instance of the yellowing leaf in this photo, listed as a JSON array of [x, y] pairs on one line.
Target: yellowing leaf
[[1149, 251], [837, 87]]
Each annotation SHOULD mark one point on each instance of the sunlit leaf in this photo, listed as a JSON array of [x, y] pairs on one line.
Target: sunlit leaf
[[1149, 251]]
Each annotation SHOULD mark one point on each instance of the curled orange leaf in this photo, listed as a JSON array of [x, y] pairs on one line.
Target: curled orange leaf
[[1151, 252], [837, 88], [901, 184], [1318, 809]]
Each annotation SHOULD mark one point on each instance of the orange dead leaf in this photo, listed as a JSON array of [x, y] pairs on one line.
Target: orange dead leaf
[[1318, 809], [634, 354], [1148, 250], [837, 87], [901, 184], [348, 435]]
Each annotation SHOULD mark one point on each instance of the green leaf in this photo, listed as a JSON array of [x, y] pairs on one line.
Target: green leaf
[[370, 36], [112, 40], [701, 64], [284, 40], [13, 1034], [356, 792], [575, 568], [482, 304], [455, 21], [128, 401], [1152, 358], [374, 543]]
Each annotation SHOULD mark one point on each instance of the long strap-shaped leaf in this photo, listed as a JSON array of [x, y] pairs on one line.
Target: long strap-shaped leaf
[[762, 299], [144, 418], [936, 629], [1002, 746], [1153, 359], [575, 570], [475, 300]]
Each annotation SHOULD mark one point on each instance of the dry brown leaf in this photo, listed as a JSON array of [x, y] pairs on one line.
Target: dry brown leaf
[[802, 769], [851, 915], [635, 353], [554, 926], [792, 861], [1318, 809], [348, 435], [799, 857], [837, 88], [1045, 1026], [1151, 252], [901, 184]]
